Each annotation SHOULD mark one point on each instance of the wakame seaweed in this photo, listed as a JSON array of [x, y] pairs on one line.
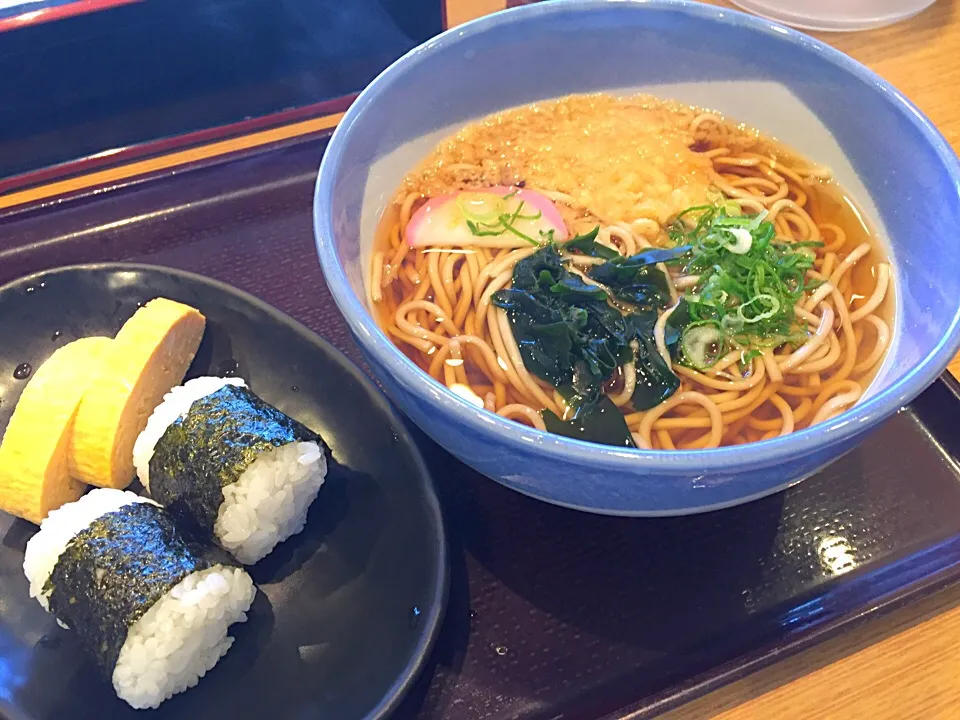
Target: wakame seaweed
[[571, 335], [637, 279], [587, 244], [112, 572], [601, 423], [211, 447]]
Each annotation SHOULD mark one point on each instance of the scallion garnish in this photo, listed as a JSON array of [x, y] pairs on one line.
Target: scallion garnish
[[749, 282], [487, 216], [702, 344]]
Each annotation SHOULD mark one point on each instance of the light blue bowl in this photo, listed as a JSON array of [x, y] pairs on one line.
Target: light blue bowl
[[824, 104]]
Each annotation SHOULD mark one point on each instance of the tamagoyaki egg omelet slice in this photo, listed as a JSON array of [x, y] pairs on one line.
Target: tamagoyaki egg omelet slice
[[34, 473], [150, 355]]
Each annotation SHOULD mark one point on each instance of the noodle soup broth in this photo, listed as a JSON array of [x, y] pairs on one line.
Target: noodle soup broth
[[635, 272]]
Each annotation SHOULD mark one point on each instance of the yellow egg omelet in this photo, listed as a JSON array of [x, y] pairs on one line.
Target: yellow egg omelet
[[34, 472], [149, 356]]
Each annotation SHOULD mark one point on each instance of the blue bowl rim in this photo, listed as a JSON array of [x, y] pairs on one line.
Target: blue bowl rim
[[742, 457]]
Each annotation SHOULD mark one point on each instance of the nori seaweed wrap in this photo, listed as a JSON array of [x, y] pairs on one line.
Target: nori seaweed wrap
[[149, 605], [231, 467], [112, 573]]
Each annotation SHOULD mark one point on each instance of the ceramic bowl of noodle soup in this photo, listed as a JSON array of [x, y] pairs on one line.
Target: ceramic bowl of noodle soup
[[641, 258]]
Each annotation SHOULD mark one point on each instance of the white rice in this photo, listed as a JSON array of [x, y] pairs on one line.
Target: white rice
[[180, 638], [269, 502], [59, 527], [175, 405]]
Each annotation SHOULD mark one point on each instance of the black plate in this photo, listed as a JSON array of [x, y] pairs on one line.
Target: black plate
[[348, 609]]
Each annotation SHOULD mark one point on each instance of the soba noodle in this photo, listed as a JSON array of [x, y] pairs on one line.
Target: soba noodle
[[630, 166]]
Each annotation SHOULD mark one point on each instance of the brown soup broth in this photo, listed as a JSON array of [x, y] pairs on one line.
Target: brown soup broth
[[686, 157]]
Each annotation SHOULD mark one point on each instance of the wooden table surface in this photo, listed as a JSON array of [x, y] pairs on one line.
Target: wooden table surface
[[905, 666]]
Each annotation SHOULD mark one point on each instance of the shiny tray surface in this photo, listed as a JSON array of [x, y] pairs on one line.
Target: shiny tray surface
[[554, 613]]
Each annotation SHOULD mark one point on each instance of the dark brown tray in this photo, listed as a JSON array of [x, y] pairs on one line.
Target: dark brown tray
[[554, 613]]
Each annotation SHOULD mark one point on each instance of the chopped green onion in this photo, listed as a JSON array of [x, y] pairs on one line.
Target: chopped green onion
[[749, 280], [511, 229], [487, 225], [702, 345], [749, 315], [742, 241], [480, 207]]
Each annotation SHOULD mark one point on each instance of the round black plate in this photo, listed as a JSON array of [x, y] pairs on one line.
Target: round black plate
[[347, 610]]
